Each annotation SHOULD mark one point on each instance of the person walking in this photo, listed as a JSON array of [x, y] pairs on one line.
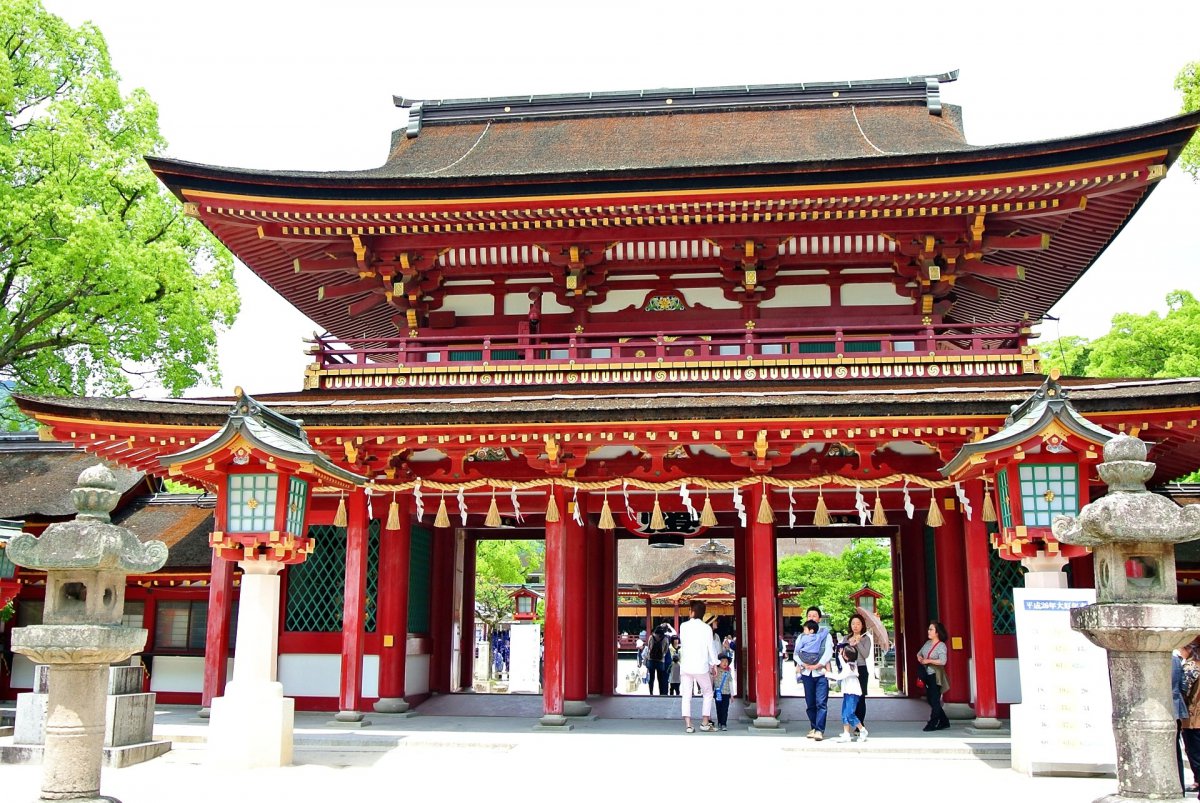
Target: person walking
[[864, 645], [1190, 666], [846, 674], [932, 658], [814, 651], [697, 656]]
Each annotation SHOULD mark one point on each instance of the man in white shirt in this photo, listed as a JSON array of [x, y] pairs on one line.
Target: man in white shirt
[[697, 657]]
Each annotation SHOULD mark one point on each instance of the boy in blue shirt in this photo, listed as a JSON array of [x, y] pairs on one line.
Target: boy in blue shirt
[[722, 687]]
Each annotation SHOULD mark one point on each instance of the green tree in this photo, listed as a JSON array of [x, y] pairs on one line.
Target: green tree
[[829, 581], [499, 564], [1068, 354], [103, 282], [1188, 83]]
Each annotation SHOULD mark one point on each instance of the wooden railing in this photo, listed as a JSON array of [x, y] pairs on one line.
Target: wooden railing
[[645, 349]]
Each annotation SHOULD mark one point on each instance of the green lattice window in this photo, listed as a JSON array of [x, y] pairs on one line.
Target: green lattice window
[[1047, 491], [420, 571], [297, 491], [252, 502], [1005, 504], [316, 588], [1005, 576]]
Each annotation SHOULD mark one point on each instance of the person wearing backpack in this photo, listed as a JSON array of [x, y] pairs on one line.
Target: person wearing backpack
[[658, 659]]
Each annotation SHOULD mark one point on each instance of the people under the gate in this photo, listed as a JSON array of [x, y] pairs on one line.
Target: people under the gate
[[845, 672], [932, 658], [658, 659], [864, 645], [697, 657], [673, 680], [813, 652], [722, 689]]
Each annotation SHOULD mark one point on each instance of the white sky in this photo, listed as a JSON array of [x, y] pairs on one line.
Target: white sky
[[308, 85]]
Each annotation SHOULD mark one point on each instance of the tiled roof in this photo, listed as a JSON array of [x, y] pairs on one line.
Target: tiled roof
[[36, 483]]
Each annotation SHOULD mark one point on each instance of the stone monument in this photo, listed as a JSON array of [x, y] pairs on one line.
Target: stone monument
[[86, 561], [1132, 534]]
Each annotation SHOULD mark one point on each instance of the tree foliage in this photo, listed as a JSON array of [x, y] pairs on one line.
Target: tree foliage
[[103, 281], [497, 564], [1188, 84], [1146, 345], [829, 581]]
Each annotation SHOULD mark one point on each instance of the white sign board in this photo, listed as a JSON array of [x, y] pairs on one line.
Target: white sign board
[[1063, 725], [524, 658]]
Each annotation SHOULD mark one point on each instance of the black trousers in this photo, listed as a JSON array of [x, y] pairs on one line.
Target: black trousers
[[860, 710], [657, 670], [1191, 745], [722, 710], [933, 694]]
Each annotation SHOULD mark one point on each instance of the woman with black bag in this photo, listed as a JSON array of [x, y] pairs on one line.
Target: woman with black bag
[[932, 658]]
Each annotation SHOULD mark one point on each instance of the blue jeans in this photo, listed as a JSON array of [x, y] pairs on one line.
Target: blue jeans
[[849, 704], [816, 697]]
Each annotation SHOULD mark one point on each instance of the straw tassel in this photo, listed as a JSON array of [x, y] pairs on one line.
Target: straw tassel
[[821, 514], [552, 515], [989, 509], [339, 518], [493, 514], [878, 517], [934, 519], [606, 516], [442, 519], [657, 522], [393, 519], [765, 514], [707, 517]]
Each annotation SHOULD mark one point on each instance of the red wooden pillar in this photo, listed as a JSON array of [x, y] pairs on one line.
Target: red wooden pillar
[[741, 583], [354, 609], [676, 625], [649, 617], [394, 551], [216, 651], [466, 666], [553, 648], [441, 609], [598, 643], [763, 634], [979, 591], [150, 625], [609, 611], [950, 548], [575, 615]]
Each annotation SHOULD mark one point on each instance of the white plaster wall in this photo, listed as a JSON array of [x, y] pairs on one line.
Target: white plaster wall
[[181, 673], [471, 303], [518, 303], [416, 674], [711, 297], [1008, 680], [809, 295], [873, 294], [620, 299], [312, 675], [22, 672]]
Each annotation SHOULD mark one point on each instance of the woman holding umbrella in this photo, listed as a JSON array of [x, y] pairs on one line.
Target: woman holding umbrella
[[864, 645]]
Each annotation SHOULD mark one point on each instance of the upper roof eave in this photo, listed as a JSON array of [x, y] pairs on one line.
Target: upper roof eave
[[1171, 132]]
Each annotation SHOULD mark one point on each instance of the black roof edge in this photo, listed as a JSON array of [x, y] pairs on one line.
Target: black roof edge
[[577, 104]]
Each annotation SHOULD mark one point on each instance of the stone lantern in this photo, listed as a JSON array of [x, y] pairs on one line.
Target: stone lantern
[[1132, 534], [525, 604], [264, 472], [86, 562]]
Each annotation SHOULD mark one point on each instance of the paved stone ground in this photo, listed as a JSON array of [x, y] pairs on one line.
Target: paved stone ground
[[460, 757]]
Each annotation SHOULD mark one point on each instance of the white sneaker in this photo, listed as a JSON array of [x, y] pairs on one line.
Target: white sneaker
[[812, 733], [862, 734], [845, 737]]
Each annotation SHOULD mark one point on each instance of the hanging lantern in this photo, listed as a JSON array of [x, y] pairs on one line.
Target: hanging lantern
[[665, 540]]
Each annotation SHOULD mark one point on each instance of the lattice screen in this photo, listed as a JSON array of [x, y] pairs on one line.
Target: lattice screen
[[316, 588], [372, 605], [420, 570], [1006, 575]]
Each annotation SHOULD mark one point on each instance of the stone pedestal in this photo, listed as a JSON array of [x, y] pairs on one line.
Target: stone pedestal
[[251, 725], [391, 705]]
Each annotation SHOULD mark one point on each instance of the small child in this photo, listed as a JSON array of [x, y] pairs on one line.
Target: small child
[[847, 674], [809, 646], [722, 686]]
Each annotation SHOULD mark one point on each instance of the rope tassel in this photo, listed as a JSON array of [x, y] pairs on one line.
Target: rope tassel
[[934, 519], [989, 509], [765, 514], [442, 519], [493, 514], [606, 516], [552, 514], [821, 514], [656, 517], [339, 518], [393, 519], [707, 517], [878, 516]]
